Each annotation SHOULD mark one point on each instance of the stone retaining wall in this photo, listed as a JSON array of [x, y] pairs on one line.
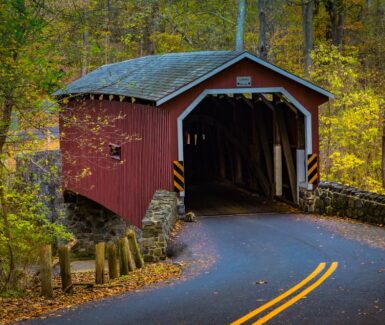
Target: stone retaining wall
[[91, 223], [157, 224], [344, 201]]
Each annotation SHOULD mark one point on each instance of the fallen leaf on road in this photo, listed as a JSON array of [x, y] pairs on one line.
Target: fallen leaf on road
[[261, 282]]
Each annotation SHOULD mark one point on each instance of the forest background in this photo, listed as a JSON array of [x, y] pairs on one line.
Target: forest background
[[44, 44]]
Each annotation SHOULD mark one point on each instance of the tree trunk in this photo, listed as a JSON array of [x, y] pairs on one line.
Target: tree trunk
[[262, 48], [307, 27], [8, 236], [240, 25], [5, 123], [84, 53], [383, 151], [335, 10], [5, 119], [151, 27], [107, 37]]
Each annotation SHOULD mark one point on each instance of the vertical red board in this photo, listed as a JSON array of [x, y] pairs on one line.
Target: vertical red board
[[126, 187]]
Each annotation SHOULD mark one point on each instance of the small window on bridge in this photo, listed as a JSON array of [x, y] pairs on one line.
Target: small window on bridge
[[115, 151]]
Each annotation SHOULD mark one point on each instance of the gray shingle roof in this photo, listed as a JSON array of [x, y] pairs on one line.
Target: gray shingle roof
[[162, 77], [150, 77]]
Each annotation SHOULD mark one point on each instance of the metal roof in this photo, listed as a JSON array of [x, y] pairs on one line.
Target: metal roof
[[161, 77]]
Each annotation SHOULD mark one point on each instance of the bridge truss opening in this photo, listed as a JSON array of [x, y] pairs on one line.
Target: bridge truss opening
[[243, 150]]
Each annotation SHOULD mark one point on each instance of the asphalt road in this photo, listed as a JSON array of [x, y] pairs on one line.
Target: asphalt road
[[243, 262]]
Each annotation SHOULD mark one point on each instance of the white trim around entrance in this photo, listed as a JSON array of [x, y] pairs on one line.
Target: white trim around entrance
[[308, 127], [283, 91]]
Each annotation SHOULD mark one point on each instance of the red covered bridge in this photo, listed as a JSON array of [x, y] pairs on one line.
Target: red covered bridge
[[225, 115]]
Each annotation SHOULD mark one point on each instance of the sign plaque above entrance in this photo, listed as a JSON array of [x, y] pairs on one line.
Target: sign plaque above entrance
[[244, 81]]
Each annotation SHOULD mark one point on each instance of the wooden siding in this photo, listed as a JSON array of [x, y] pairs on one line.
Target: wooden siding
[[124, 188], [127, 189]]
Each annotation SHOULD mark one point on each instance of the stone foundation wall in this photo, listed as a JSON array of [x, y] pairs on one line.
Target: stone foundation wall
[[344, 201], [157, 224], [91, 223]]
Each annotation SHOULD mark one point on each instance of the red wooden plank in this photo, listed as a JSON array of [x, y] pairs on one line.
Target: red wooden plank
[[127, 188]]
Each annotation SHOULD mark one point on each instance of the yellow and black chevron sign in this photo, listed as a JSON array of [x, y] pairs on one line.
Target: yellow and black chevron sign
[[178, 171], [312, 169]]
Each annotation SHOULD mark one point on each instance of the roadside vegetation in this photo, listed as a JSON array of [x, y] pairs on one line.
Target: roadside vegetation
[[338, 44], [31, 304]]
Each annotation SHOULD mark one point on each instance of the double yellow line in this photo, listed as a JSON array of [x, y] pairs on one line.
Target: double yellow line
[[287, 293]]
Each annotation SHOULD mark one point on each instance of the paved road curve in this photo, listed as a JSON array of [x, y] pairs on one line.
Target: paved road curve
[[234, 253]]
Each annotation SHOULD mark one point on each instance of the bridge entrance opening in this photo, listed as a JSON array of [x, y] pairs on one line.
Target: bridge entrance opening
[[241, 152]]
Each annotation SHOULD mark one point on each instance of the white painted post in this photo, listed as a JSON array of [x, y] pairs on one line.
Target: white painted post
[[278, 169], [301, 163], [301, 170]]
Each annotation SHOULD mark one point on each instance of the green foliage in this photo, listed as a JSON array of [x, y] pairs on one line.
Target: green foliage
[[28, 73], [23, 228]]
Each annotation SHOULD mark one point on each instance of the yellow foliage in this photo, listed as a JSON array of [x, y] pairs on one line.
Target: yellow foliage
[[351, 125]]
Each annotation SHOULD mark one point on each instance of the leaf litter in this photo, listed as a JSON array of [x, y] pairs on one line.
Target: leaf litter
[[32, 305]]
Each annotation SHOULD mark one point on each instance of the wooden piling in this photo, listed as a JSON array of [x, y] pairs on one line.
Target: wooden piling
[[46, 271], [123, 256], [131, 260], [113, 271], [99, 263], [65, 268], [135, 250]]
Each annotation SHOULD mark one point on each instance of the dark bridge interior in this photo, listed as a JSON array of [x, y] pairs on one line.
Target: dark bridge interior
[[229, 151]]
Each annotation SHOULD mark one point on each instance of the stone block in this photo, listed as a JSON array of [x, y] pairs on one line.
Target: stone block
[[158, 222], [319, 204], [148, 242], [329, 210], [358, 204], [148, 258], [157, 252], [351, 200]]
